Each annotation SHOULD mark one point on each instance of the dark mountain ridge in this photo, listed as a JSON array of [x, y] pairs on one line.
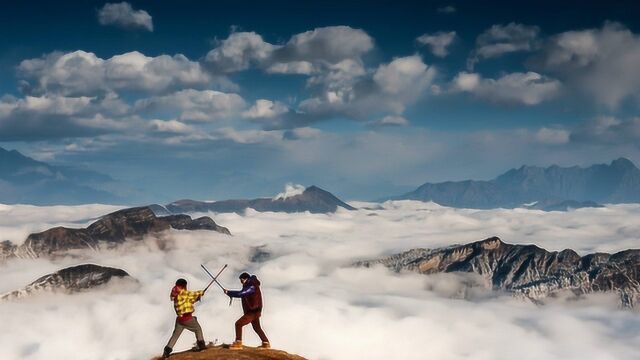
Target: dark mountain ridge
[[24, 180], [70, 280], [313, 199], [549, 188], [527, 270], [111, 230]]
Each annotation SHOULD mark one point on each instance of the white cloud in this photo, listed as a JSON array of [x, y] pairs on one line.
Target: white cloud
[[251, 136], [123, 15], [290, 190], [54, 116], [195, 105], [438, 42], [332, 44], [391, 120], [601, 63], [499, 40], [404, 75], [293, 67], [170, 126], [83, 73], [309, 254], [238, 52], [265, 109], [516, 88], [304, 53], [351, 91]]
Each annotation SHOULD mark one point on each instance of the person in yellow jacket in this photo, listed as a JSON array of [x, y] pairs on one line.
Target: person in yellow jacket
[[183, 301]]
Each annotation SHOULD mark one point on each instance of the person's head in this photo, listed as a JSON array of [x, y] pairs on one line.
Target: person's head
[[182, 283], [244, 277]]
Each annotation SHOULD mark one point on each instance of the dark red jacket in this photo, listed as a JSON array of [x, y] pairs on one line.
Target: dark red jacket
[[250, 294]]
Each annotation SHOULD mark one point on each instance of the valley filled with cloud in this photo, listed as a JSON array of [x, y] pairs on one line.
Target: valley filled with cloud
[[316, 304]]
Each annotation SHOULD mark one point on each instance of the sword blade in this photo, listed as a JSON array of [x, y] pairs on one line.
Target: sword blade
[[214, 278]]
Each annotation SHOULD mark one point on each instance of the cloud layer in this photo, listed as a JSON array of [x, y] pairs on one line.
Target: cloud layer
[[355, 312]]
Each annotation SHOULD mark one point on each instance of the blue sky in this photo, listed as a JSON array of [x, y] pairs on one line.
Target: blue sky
[[207, 100]]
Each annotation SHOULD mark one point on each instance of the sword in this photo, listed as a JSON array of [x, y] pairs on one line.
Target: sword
[[213, 278]]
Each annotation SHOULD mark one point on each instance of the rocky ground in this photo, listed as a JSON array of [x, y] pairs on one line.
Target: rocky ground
[[223, 353]]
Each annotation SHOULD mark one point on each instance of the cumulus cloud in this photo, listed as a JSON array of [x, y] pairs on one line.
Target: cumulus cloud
[[83, 73], [238, 52], [170, 126], [516, 88], [54, 116], [123, 15], [309, 258], [304, 53], [402, 75], [265, 109], [339, 82], [438, 42], [194, 105], [331, 44], [600, 63], [357, 94], [499, 40]]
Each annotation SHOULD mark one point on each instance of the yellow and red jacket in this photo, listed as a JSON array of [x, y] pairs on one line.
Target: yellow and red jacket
[[183, 301]]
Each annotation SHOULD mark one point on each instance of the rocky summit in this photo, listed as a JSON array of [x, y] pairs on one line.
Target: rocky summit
[[70, 280], [110, 230], [527, 270], [223, 353], [313, 199]]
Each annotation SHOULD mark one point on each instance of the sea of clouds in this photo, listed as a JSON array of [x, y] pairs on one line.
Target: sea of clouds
[[316, 305]]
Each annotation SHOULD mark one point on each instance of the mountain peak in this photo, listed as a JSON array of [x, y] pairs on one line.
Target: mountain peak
[[527, 271], [623, 163], [70, 280], [295, 198], [554, 187]]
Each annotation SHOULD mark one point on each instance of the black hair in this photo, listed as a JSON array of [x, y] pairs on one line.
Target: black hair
[[244, 275], [181, 282]]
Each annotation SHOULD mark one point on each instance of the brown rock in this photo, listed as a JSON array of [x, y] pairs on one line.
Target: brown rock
[[223, 353]]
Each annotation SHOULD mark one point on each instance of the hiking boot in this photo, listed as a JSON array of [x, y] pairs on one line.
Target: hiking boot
[[200, 345], [167, 351], [265, 345], [237, 345]]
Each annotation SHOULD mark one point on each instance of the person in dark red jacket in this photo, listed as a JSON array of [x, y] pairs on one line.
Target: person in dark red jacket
[[252, 307]]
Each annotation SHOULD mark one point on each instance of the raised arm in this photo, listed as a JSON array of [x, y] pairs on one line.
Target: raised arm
[[242, 293]]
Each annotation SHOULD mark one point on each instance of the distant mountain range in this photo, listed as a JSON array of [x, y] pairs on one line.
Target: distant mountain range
[[24, 180], [550, 188], [528, 271], [312, 199]]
